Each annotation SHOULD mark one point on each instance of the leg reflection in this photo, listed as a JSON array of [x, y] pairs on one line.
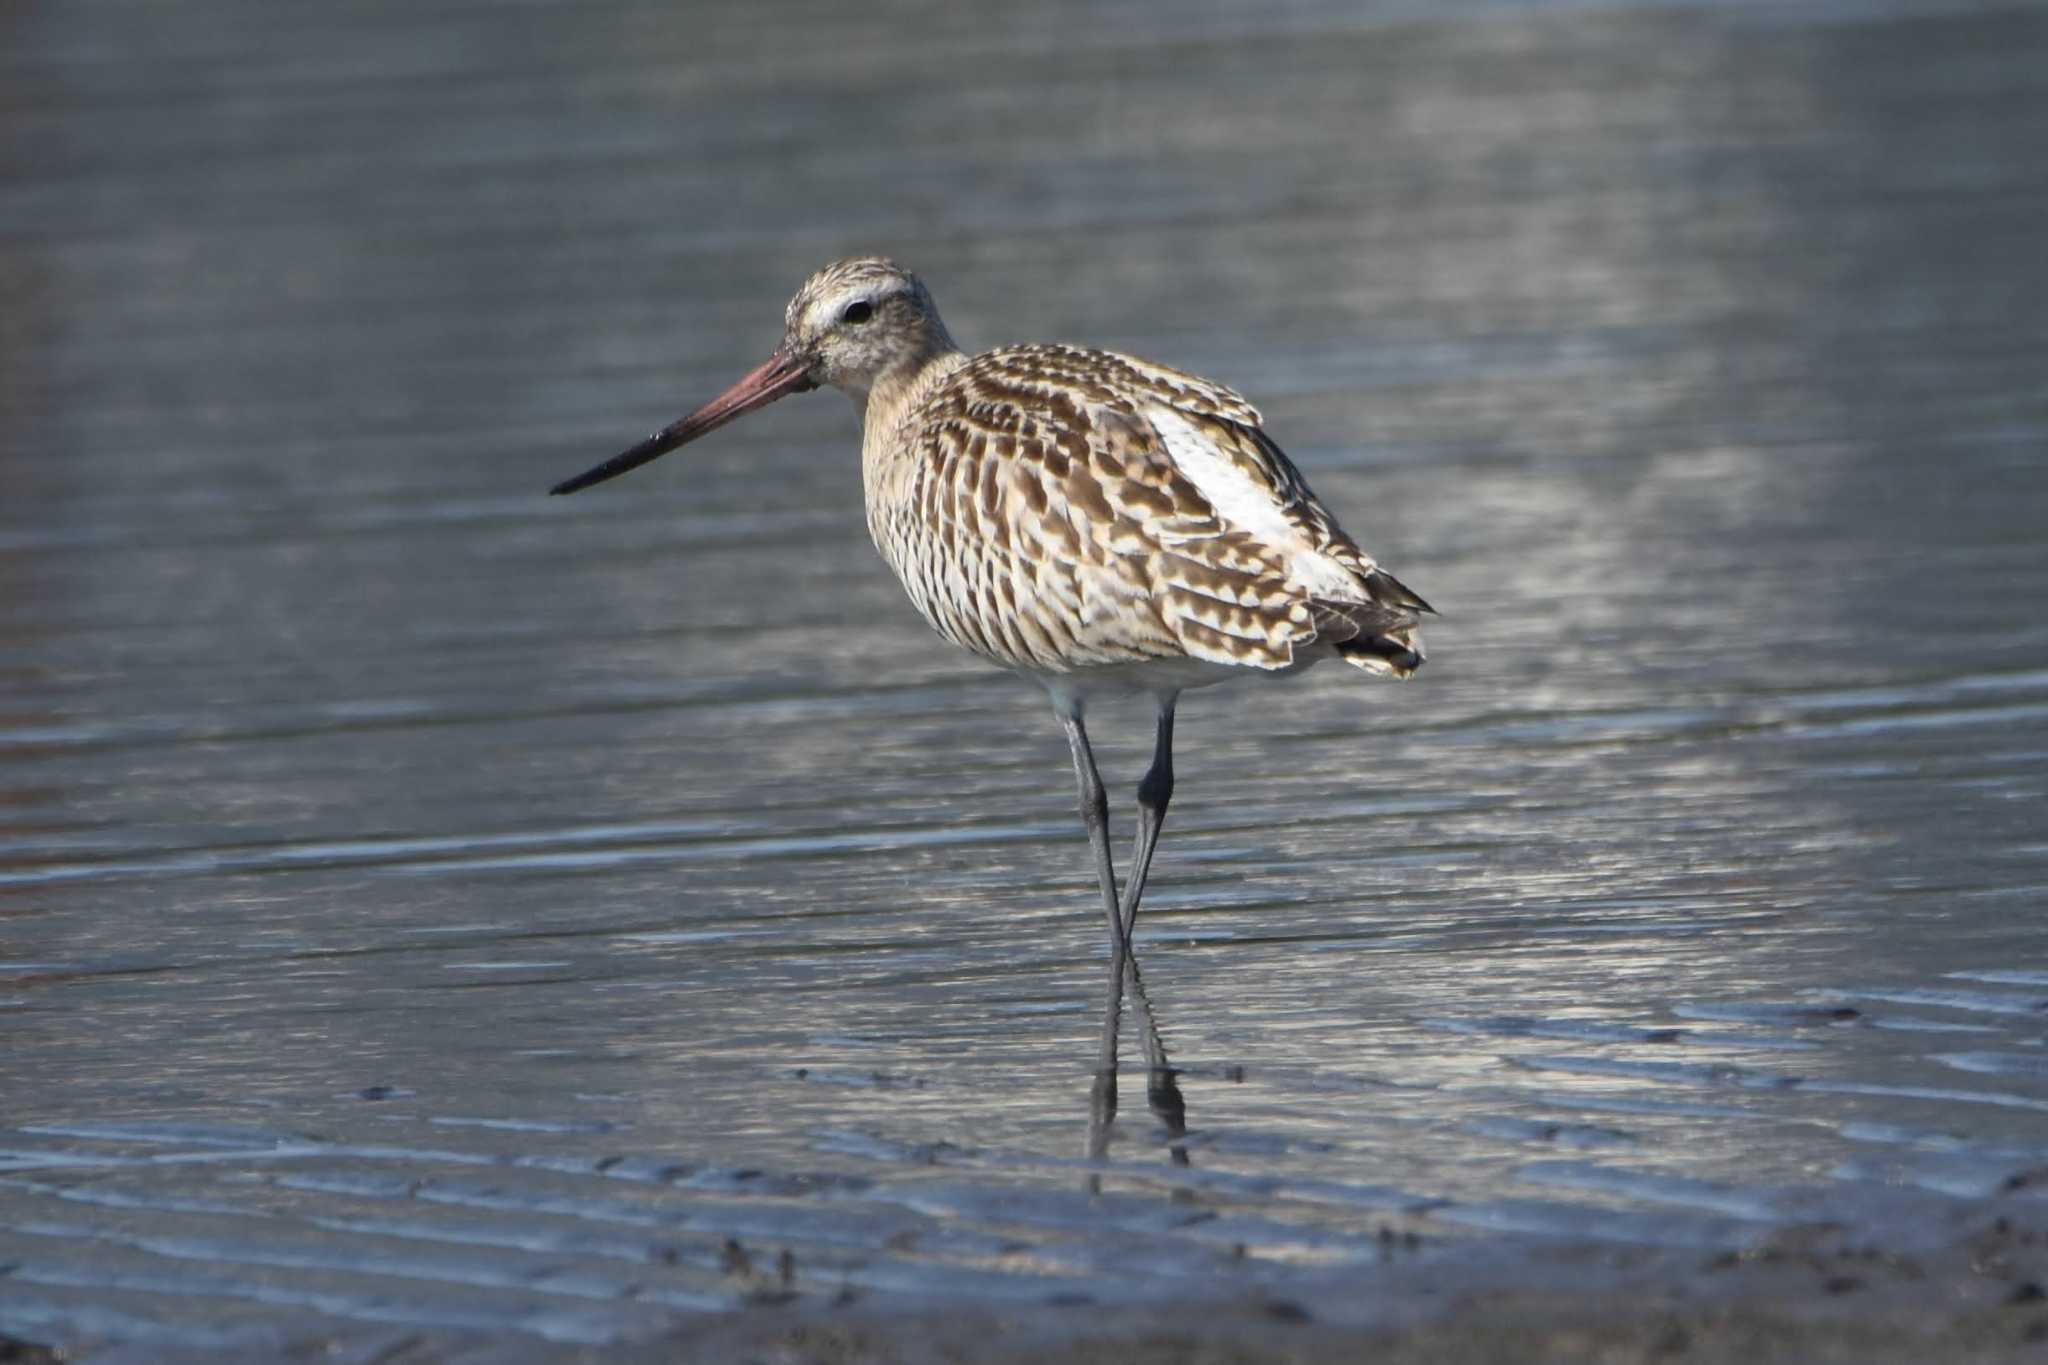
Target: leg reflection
[[1162, 1091]]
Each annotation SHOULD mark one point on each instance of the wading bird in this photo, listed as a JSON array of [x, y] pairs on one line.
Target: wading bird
[[1098, 523]]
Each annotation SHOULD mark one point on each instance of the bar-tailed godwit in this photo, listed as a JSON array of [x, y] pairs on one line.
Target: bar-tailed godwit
[[1098, 523]]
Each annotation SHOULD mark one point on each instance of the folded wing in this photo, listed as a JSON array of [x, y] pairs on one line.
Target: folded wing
[[1072, 508]]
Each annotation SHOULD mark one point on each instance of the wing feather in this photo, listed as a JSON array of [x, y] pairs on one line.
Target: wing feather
[[1053, 515]]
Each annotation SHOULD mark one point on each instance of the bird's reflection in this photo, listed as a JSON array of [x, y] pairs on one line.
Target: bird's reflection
[[1162, 1092]]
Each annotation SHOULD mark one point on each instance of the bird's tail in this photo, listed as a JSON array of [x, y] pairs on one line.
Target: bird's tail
[[1395, 654], [1387, 642]]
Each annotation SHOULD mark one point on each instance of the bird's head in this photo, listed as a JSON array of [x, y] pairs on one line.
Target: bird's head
[[852, 323], [858, 319]]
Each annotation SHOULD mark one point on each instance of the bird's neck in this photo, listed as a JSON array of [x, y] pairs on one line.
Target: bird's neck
[[904, 384]]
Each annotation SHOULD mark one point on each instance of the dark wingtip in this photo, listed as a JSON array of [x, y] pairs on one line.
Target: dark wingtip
[[1387, 588]]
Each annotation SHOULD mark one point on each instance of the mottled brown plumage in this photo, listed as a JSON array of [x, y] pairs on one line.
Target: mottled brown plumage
[[1036, 513], [1095, 521]]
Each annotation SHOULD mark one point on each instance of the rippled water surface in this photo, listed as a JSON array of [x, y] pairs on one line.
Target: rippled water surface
[[426, 902]]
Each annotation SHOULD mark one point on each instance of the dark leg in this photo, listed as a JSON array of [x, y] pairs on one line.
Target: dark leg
[[1095, 819], [1153, 794]]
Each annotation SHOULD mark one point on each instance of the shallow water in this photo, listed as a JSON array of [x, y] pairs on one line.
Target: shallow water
[[423, 902]]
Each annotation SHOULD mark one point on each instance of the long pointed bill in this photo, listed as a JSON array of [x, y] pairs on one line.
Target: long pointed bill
[[776, 377]]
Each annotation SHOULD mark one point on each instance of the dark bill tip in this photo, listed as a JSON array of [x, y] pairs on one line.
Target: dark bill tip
[[775, 378], [653, 447]]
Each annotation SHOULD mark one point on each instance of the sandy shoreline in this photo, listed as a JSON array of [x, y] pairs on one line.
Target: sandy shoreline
[[1914, 1278], [1807, 1295], [1963, 1283]]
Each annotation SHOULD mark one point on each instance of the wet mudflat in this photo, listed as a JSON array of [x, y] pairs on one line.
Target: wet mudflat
[[432, 913]]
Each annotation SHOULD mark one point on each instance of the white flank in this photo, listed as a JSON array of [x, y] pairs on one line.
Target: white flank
[[1247, 504]]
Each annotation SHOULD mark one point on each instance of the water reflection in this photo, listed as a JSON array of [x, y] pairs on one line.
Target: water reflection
[[1162, 1087]]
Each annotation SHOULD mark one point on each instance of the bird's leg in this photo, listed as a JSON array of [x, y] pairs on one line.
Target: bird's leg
[[1095, 819], [1153, 794]]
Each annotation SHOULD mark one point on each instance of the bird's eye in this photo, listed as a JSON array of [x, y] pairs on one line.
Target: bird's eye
[[860, 310]]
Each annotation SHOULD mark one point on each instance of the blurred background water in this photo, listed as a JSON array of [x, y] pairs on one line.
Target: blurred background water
[[425, 902]]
